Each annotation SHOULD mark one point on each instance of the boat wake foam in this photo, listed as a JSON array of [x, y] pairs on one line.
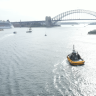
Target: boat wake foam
[[8, 35], [64, 79]]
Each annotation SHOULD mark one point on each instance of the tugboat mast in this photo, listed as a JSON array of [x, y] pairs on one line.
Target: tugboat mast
[[73, 49]]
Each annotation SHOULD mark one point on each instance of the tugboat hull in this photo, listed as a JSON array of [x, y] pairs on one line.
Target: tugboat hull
[[75, 62]]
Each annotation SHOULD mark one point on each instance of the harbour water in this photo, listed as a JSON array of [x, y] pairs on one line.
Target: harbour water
[[32, 64]]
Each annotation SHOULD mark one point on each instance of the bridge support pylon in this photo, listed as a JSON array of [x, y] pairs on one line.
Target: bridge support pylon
[[48, 21]]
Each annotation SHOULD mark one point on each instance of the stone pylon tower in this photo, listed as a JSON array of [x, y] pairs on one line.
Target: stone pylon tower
[[48, 21]]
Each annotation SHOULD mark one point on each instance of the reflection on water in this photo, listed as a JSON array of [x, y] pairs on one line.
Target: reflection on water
[[31, 64], [74, 80]]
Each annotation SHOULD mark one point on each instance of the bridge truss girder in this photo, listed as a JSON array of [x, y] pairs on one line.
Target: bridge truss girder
[[64, 14]]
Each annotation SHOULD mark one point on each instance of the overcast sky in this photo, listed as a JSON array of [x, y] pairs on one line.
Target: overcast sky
[[29, 10]]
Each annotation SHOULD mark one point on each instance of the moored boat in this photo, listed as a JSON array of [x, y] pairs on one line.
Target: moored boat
[[14, 32], [30, 30], [74, 58], [45, 35]]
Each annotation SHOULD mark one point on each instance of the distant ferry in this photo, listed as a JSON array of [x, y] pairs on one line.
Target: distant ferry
[[5, 24]]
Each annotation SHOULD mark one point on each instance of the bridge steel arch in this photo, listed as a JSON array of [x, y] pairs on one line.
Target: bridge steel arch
[[64, 14]]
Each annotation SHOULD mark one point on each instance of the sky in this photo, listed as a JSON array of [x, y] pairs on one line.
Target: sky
[[34, 10]]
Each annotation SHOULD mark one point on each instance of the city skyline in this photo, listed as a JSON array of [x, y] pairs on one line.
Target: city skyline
[[30, 10]]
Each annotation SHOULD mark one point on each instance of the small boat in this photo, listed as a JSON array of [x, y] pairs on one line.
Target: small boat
[[14, 32], [29, 30], [45, 35], [74, 58]]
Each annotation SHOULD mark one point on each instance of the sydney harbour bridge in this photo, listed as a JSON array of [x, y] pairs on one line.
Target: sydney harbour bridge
[[65, 16]]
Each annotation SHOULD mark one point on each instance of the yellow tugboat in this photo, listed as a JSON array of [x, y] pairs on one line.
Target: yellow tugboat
[[74, 58]]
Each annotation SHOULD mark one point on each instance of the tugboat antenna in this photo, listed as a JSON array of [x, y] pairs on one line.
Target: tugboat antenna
[[73, 47]]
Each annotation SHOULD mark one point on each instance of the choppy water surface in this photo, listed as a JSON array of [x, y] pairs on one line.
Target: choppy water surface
[[32, 64]]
